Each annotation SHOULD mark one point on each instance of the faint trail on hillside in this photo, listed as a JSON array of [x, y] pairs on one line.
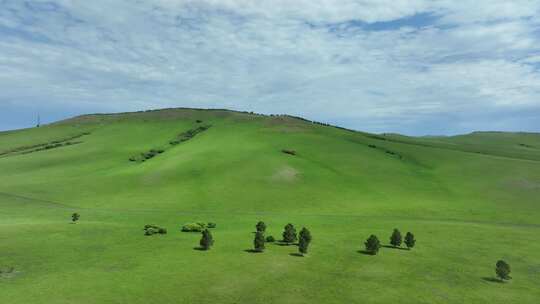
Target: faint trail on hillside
[[458, 149], [47, 202], [64, 206]]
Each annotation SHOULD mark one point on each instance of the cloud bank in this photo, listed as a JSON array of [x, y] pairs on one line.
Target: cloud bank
[[415, 67]]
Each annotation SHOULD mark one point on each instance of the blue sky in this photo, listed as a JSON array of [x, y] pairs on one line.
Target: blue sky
[[413, 67]]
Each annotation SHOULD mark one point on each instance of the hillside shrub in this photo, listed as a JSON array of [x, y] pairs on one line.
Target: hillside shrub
[[153, 229], [197, 227], [290, 152], [270, 239], [150, 231], [75, 217]]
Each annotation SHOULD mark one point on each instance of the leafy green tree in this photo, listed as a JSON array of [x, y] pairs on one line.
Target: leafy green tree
[[502, 270], [305, 239], [409, 240], [207, 240], [258, 242], [261, 226], [395, 239], [372, 244], [75, 217], [289, 235]]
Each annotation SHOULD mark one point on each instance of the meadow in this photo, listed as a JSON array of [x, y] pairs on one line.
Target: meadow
[[470, 201]]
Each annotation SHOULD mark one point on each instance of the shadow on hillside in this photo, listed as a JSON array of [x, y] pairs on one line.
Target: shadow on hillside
[[252, 251], [392, 247], [199, 249], [365, 252], [284, 244], [296, 254], [493, 280]]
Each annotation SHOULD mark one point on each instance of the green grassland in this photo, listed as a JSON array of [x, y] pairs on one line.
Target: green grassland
[[470, 201]]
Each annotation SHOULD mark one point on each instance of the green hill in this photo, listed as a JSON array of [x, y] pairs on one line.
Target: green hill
[[470, 200]]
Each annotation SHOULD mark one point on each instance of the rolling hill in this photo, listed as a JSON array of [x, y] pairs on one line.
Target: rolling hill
[[470, 200]]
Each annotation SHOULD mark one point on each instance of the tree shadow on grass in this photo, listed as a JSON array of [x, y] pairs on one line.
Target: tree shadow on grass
[[392, 247], [252, 251], [365, 252], [493, 280], [296, 254], [284, 244], [199, 248]]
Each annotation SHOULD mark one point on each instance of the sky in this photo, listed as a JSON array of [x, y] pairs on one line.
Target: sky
[[415, 67]]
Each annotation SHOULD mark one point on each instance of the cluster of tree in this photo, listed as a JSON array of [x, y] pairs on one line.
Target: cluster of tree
[[373, 244], [289, 237], [396, 239]]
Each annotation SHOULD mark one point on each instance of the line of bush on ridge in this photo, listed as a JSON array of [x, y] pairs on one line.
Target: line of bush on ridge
[[67, 141], [182, 137]]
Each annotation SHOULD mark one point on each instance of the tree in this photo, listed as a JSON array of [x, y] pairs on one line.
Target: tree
[[207, 240], [373, 245], [289, 235], [502, 270], [409, 240], [258, 242], [305, 239], [75, 217], [395, 239], [261, 226]]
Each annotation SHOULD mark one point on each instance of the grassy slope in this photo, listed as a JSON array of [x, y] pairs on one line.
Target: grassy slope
[[466, 209]]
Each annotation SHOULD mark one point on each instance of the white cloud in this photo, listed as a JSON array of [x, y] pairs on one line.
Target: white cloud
[[313, 58]]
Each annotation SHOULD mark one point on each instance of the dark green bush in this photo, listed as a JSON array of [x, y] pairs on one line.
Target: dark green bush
[[150, 231], [290, 152], [162, 231], [270, 239], [211, 225]]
